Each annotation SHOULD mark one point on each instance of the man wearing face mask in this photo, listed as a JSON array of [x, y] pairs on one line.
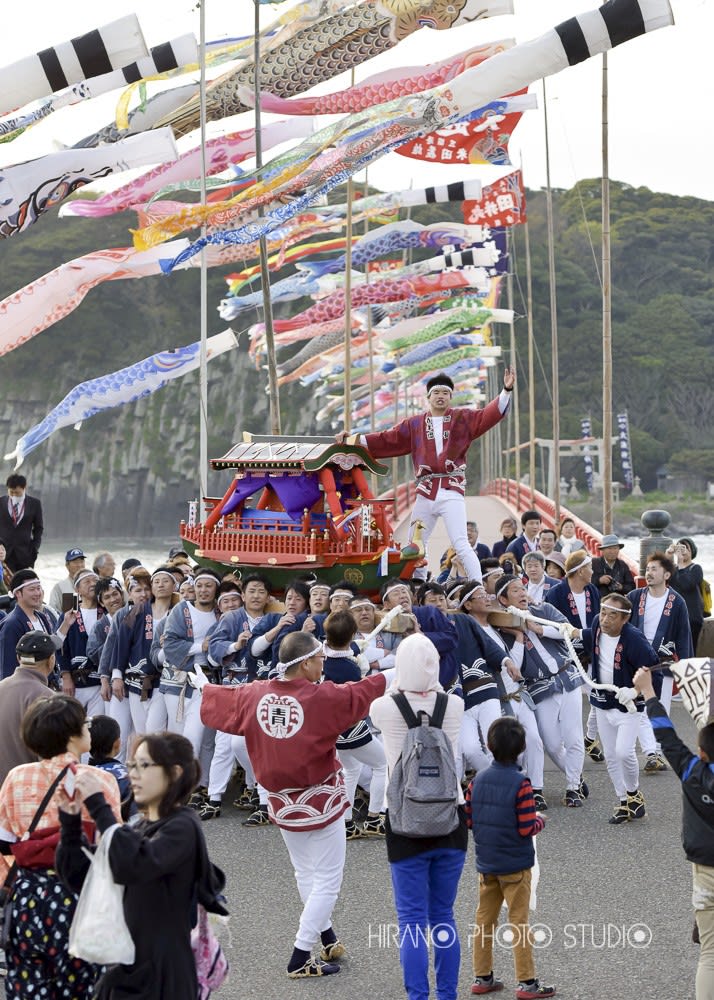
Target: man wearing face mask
[[20, 524]]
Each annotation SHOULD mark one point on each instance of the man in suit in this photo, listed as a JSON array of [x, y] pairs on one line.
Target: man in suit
[[20, 524], [527, 541]]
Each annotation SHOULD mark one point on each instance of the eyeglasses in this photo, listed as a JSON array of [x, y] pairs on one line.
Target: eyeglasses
[[136, 766]]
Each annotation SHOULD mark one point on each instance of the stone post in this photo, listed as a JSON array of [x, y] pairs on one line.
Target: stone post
[[654, 521]]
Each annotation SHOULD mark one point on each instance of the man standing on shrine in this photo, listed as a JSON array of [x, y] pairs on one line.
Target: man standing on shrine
[[438, 441]]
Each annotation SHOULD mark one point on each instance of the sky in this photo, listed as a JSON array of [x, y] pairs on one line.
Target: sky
[[660, 91]]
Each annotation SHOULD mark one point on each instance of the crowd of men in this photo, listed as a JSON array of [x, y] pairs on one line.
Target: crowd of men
[[129, 645]]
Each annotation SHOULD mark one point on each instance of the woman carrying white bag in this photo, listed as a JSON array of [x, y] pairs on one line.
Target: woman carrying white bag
[[162, 863]]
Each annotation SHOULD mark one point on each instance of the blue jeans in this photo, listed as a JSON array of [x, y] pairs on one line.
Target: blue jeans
[[424, 893]]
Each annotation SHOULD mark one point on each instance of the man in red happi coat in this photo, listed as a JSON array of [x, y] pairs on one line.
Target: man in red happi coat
[[438, 441]]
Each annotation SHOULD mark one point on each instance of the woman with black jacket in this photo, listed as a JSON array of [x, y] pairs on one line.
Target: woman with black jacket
[[162, 861]]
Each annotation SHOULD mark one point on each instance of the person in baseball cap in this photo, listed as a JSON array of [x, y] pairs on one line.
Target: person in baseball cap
[[74, 560], [36, 646]]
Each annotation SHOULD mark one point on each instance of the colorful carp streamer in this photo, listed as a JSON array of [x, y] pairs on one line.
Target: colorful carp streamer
[[28, 190], [317, 52], [357, 140], [501, 204], [97, 52], [305, 282], [381, 87], [118, 388], [447, 322], [481, 138], [220, 154]]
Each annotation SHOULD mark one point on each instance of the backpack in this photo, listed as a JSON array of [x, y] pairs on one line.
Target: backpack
[[422, 795], [706, 592]]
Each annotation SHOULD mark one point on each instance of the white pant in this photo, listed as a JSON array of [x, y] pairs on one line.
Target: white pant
[[91, 698], [139, 710], [201, 737], [532, 762], [120, 711], [618, 736], [591, 727], [157, 716], [318, 857], [474, 730], [371, 754], [221, 766], [560, 722], [241, 754], [171, 703], [646, 736], [451, 507]]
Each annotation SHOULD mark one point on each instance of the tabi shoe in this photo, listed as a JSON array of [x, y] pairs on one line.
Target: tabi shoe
[[594, 751], [654, 763], [198, 798], [209, 810], [636, 805], [583, 790], [314, 967], [373, 826], [331, 952], [257, 818], [620, 815], [352, 831], [572, 799], [248, 799], [486, 984], [534, 990], [539, 799]]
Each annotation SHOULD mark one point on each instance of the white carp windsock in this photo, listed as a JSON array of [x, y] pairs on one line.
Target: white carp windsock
[[163, 58], [97, 52], [28, 190]]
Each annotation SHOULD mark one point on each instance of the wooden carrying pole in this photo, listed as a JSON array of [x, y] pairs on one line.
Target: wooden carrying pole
[[606, 319]]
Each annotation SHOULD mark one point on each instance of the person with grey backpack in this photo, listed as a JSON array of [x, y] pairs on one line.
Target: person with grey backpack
[[425, 821]]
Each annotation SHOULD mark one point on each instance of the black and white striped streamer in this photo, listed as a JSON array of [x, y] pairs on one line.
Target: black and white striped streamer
[[93, 54], [458, 191], [571, 42]]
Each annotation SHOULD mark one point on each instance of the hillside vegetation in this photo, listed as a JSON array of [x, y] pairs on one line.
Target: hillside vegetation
[[129, 471]]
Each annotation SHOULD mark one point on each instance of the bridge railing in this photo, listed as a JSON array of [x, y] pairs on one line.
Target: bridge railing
[[521, 497], [402, 498]]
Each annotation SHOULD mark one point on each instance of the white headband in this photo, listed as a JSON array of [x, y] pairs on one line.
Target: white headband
[[82, 575], [464, 599], [393, 586], [282, 667], [496, 569], [614, 607], [440, 385], [341, 593], [319, 586], [362, 602], [164, 572], [586, 561], [27, 583], [206, 576]]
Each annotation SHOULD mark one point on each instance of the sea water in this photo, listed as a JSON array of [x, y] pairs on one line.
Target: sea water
[[153, 552]]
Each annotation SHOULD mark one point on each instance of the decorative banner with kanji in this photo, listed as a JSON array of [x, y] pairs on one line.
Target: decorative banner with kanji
[[482, 137], [500, 204]]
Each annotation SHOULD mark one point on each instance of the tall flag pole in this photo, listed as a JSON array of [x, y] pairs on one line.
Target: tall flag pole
[[554, 486], [263, 244], [203, 283], [606, 318]]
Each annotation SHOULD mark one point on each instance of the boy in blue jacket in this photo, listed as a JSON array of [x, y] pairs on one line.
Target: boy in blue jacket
[[504, 821]]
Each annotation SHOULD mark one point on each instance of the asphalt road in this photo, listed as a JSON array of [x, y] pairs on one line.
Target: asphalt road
[[613, 916]]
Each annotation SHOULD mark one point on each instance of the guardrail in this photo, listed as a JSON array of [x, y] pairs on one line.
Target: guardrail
[[521, 497], [402, 498]]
